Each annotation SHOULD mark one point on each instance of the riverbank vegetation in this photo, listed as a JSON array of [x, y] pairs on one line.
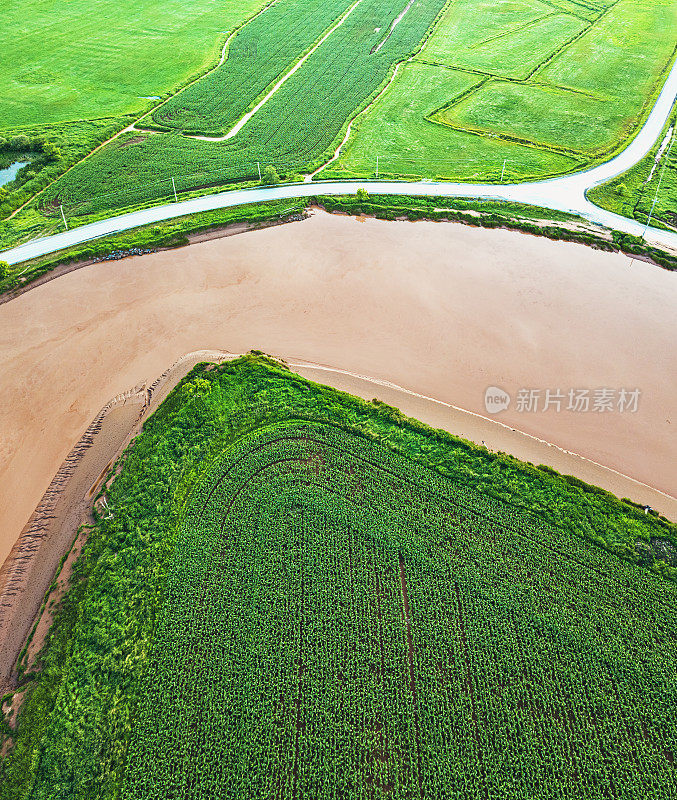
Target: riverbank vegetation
[[169, 233], [359, 604], [487, 214], [516, 216]]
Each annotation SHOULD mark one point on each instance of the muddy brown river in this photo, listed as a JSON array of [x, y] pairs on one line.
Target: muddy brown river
[[440, 309]]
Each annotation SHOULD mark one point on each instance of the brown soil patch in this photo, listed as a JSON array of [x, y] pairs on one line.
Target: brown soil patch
[[51, 605], [133, 140]]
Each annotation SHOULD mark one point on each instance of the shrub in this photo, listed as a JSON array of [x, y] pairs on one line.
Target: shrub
[[19, 142], [51, 151], [269, 176]]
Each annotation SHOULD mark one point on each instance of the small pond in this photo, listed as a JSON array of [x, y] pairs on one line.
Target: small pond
[[9, 173]]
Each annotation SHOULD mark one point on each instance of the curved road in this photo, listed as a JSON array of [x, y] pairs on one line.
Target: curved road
[[567, 193]]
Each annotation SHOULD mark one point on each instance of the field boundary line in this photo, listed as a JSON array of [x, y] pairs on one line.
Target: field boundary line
[[566, 45], [561, 10], [483, 132], [512, 31]]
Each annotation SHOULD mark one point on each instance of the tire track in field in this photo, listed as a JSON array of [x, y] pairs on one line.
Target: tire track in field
[[412, 673], [451, 502]]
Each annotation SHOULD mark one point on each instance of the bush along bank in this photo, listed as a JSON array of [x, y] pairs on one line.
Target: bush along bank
[[175, 233]]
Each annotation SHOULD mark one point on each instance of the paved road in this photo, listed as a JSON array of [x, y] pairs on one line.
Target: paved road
[[567, 193]]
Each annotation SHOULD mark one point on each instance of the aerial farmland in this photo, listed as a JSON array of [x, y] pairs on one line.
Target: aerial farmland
[[338, 451]]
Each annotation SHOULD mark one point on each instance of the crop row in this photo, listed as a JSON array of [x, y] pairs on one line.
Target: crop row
[[299, 594], [256, 57]]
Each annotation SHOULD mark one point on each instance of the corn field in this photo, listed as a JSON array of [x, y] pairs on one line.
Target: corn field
[[296, 594]]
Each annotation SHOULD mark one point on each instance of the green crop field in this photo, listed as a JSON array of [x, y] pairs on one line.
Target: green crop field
[[297, 594], [546, 83], [65, 61], [259, 54], [401, 121], [649, 188], [471, 90], [294, 130]]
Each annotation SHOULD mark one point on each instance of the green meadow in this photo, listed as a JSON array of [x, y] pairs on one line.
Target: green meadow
[[553, 79], [74, 60]]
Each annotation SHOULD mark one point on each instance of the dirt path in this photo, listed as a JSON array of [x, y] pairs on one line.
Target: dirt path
[[245, 119], [222, 59], [566, 193]]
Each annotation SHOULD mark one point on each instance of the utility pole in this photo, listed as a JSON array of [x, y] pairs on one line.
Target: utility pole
[[63, 217], [258, 164], [176, 199], [376, 167], [503, 170], [660, 180]]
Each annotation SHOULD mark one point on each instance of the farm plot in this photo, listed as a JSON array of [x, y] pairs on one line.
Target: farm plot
[[257, 56], [576, 83], [355, 627], [575, 124], [505, 39], [296, 129], [403, 132], [76, 61], [281, 603]]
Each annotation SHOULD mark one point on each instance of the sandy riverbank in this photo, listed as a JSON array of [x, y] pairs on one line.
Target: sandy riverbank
[[441, 309], [29, 569]]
